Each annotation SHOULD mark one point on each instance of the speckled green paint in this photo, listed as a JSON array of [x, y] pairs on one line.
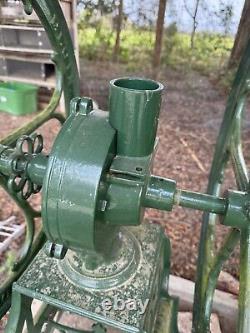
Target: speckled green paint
[[44, 281]]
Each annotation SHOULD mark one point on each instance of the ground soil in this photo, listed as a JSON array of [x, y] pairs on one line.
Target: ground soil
[[192, 111]]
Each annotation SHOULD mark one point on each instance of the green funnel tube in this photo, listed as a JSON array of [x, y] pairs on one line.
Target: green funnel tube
[[134, 106]]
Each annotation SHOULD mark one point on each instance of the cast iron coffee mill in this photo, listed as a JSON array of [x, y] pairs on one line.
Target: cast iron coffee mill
[[94, 245]]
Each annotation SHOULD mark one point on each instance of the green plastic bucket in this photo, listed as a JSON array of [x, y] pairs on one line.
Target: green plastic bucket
[[18, 98]]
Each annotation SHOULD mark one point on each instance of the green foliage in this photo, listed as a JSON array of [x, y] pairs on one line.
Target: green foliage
[[210, 51], [103, 6], [209, 55], [98, 44]]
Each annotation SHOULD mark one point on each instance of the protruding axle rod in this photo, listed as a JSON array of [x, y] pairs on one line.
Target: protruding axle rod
[[162, 194], [34, 168]]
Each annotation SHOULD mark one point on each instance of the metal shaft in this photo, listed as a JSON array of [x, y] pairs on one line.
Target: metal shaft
[[162, 194], [35, 168], [244, 299], [200, 201]]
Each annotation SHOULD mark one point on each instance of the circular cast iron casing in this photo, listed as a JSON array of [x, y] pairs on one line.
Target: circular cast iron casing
[[99, 167], [73, 190]]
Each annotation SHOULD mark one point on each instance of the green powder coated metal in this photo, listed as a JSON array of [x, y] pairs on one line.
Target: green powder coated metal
[[244, 299], [160, 193], [6, 155], [36, 169], [238, 210], [71, 196], [45, 281], [134, 107], [67, 78], [125, 186], [53, 20], [124, 204], [97, 179], [229, 136], [204, 202]]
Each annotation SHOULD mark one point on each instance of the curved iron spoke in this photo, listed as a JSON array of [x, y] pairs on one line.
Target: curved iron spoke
[[207, 239], [5, 288], [67, 79], [238, 161], [60, 117], [30, 246], [244, 308], [239, 166], [29, 220], [223, 255], [53, 20]]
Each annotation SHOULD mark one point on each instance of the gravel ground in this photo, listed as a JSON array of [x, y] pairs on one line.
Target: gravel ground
[[191, 114]]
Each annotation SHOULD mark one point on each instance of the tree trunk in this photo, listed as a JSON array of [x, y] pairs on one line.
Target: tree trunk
[[242, 36], [159, 35], [118, 31]]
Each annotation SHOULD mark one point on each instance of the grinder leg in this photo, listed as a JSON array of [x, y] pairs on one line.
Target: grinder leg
[[19, 314]]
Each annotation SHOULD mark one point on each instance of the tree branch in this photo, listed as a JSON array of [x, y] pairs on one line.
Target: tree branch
[[195, 22]]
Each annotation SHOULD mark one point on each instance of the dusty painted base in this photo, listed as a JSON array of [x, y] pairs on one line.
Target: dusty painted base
[[44, 280], [91, 270]]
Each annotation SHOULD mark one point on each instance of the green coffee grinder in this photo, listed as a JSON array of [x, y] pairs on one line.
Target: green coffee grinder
[[100, 261]]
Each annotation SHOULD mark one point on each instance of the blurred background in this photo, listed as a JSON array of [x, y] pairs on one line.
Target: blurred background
[[184, 34]]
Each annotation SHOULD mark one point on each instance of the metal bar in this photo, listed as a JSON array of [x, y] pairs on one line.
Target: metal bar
[[238, 161], [66, 329], [222, 256], [244, 296], [52, 18], [158, 194], [35, 168], [233, 237], [5, 288], [5, 160], [162, 194], [207, 239], [239, 166], [204, 202], [30, 214], [20, 306], [67, 78]]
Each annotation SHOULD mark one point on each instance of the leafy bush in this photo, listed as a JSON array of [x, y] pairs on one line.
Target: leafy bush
[[136, 45], [209, 55], [96, 43], [210, 51]]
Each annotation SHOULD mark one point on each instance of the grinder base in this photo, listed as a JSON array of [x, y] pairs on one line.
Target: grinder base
[[45, 282]]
